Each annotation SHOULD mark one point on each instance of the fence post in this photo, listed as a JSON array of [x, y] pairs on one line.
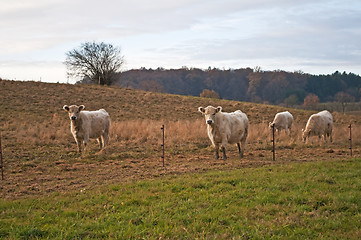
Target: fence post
[[1, 161], [273, 142], [162, 128], [349, 126]]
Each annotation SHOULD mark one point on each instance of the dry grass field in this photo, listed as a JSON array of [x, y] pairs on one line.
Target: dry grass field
[[40, 155]]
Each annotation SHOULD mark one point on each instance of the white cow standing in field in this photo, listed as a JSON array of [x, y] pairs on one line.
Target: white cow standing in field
[[282, 120], [319, 124], [226, 128], [88, 124]]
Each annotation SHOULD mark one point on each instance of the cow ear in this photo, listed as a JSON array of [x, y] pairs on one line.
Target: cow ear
[[219, 109], [66, 108], [81, 107], [201, 109]]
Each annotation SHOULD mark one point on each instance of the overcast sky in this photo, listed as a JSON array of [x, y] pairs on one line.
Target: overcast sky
[[317, 37]]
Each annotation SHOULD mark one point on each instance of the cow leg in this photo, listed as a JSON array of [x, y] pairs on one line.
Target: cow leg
[[217, 152], [243, 143], [78, 143], [320, 139], [85, 145], [239, 150], [86, 140], [216, 147], [327, 135], [224, 153], [101, 143], [105, 138], [241, 147]]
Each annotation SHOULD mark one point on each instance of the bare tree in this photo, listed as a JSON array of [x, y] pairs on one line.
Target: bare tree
[[257, 69], [96, 62], [343, 98]]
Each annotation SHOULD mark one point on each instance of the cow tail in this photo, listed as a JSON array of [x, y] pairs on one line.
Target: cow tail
[[245, 135]]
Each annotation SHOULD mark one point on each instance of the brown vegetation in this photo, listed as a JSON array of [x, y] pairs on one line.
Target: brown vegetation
[[40, 153], [311, 100], [209, 94]]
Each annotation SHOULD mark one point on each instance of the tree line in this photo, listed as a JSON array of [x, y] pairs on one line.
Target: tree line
[[246, 84]]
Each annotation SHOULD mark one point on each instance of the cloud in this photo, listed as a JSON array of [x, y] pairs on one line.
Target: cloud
[[316, 34], [185, 32]]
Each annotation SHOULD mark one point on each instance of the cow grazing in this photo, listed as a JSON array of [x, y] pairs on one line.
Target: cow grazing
[[88, 124], [226, 128], [282, 120], [319, 124]]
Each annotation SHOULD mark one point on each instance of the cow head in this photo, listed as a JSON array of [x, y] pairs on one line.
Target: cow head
[[210, 113], [73, 111]]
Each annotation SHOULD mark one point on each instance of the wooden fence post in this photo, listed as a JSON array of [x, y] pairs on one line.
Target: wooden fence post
[[1, 161], [163, 146], [350, 138], [273, 142]]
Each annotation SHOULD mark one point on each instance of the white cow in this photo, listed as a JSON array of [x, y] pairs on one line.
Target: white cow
[[319, 124], [226, 128], [88, 124], [282, 120]]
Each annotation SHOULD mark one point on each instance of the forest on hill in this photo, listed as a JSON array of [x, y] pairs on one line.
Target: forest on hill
[[246, 84]]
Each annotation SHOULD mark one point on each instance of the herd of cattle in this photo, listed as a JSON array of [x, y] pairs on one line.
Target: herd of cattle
[[229, 128], [223, 128]]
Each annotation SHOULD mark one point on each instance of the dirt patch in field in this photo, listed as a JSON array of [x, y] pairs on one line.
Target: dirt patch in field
[[43, 170]]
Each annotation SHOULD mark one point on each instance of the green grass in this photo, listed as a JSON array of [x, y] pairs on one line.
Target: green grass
[[318, 200]]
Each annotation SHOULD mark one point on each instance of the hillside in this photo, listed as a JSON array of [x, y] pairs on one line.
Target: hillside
[[40, 153], [36, 101]]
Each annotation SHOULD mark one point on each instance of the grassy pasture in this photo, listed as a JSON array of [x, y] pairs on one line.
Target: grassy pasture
[[315, 200], [126, 193]]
